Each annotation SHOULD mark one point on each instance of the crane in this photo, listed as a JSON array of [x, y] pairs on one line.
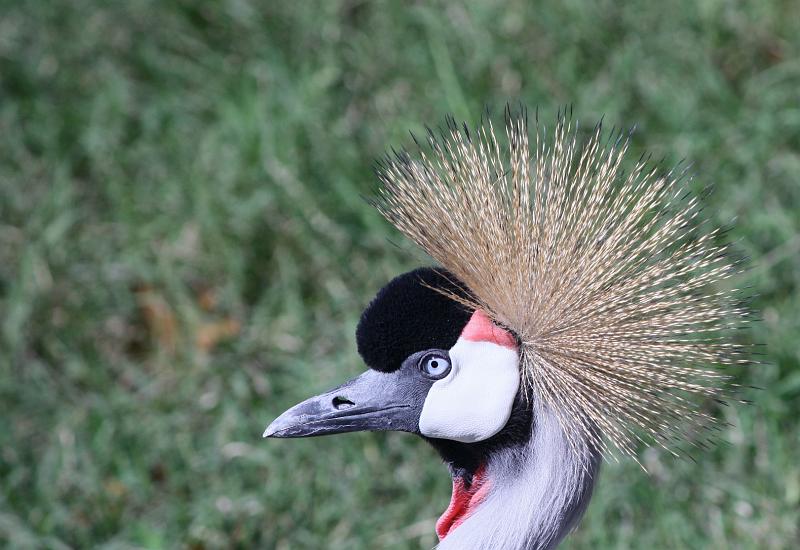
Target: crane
[[577, 311]]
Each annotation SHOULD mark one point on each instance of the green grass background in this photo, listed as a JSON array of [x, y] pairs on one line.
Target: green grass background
[[184, 253]]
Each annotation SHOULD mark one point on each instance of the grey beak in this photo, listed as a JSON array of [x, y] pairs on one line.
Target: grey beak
[[373, 401]]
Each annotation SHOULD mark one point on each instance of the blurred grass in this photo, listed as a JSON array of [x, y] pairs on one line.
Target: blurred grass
[[184, 253]]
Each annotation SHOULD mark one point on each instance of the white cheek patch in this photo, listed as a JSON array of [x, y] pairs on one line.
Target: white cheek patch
[[474, 401]]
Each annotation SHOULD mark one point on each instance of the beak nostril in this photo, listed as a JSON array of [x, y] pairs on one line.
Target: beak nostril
[[340, 403]]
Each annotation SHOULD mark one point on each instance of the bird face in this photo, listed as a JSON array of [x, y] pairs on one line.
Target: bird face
[[437, 369]]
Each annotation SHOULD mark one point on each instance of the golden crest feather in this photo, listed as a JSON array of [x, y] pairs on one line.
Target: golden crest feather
[[610, 279]]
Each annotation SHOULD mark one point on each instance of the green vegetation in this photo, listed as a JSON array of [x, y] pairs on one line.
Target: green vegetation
[[184, 253]]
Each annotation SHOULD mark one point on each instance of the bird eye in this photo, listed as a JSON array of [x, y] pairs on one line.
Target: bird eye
[[435, 365]]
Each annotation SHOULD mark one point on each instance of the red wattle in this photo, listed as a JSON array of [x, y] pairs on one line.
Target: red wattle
[[463, 501]]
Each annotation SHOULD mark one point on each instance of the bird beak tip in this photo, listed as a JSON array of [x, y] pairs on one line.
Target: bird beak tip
[[271, 430]]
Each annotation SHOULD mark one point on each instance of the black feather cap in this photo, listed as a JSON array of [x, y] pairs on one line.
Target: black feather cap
[[409, 315]]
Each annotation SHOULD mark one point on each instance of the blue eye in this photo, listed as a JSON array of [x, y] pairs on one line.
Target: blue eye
[[435, 365]]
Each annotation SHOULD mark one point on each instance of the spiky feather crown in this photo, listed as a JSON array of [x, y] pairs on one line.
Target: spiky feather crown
[[609, 279]]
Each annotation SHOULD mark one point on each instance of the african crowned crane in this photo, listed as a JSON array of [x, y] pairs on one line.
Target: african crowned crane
[[577, 311]]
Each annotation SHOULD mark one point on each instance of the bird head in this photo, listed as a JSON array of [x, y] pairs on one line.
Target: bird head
[[438, 369]]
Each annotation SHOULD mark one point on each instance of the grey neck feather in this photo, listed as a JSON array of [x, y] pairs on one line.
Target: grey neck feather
[[538, 493]]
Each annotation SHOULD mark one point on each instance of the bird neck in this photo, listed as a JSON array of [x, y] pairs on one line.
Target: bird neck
[[515, 493]]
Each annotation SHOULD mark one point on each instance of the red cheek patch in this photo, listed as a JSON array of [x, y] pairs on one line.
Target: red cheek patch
[[481, 329]]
